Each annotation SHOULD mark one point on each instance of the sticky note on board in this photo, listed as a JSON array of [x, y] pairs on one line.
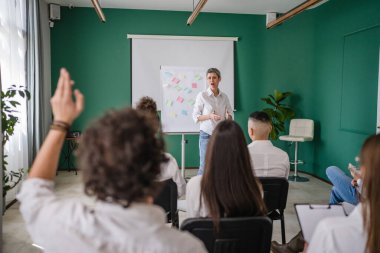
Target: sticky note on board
[[169, 102], [175, 80], [191, 102], [173, 114], [194, 85], [198, 77], [168, 74], [184, 112], [180, 99]]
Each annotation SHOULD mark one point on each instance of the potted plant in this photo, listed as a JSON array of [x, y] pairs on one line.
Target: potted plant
[[278, 112], [9, 119]]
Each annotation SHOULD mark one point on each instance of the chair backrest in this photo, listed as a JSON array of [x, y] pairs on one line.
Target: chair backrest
[[302, 128], [275, 192], [167, 198], [238, 235]]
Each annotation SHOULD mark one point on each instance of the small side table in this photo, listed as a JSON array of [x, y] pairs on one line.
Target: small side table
[[71, 146]]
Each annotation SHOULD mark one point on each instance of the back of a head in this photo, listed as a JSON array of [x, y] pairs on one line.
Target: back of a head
[[229, 186], [120, 156], [261, 123], [147, 104], [370, 160]]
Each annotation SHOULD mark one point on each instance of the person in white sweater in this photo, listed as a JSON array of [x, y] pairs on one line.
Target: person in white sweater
[[120, 156], [360, 231], [169, 169]]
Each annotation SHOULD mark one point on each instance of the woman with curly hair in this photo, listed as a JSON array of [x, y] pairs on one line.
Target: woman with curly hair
[[169, 169], [120, 156], [228, 187]]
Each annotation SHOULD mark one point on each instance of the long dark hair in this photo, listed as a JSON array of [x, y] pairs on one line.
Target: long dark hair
[[370, 160], [228, 186]]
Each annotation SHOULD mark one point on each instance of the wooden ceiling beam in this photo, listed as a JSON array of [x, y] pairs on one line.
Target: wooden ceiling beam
[[292, 13]]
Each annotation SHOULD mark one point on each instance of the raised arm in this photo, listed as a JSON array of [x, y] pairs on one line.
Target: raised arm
[[65, 110]]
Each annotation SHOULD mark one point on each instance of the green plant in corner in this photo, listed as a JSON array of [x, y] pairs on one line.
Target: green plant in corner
[[9, 119], [278, 112]]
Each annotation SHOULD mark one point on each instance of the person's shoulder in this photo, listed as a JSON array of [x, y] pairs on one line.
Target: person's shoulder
[[169, 156], [193, 186], [172, 240], [195, 180], [280, 151]]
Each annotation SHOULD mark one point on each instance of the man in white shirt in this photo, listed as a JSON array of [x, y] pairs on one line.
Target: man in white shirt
[[211, 107], [268, 160]]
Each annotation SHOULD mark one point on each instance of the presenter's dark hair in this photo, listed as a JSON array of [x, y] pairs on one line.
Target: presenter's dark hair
[[370, 160], [120, 155], [229, 186], [215, 71]]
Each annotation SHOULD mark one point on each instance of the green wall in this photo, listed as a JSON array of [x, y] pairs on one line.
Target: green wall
[[304, 55]]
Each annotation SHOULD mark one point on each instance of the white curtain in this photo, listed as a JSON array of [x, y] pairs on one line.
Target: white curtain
[[13, 71]]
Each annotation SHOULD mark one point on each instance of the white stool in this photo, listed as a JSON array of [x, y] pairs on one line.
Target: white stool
[[300, 130]]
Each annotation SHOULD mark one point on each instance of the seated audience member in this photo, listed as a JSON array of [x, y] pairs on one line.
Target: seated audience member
[[169, 170], [120, 156], [360, 231], [228, 187], [345, 189], [268, 160]]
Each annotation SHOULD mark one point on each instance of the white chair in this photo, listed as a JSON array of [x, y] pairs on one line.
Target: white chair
[[300, 130]]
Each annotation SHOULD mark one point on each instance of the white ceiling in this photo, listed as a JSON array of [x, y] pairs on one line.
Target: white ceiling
[[218, 6]]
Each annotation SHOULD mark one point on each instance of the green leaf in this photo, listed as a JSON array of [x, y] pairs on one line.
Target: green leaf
[[14, 103], [268, 101], [27, 94], [21, 93], [270, 112], [277, 95], [284, 96]]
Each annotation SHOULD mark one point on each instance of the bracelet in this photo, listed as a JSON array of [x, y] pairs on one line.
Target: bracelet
[[60, 125]]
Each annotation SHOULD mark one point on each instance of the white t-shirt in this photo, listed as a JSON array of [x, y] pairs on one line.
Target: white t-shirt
[[207, 103], [340, 234], [268, 160], [66, 225], [193, 193], [170, 170]]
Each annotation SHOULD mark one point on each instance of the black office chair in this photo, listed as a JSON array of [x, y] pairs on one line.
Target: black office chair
[[167, 199], [275, 197], [237, 235]]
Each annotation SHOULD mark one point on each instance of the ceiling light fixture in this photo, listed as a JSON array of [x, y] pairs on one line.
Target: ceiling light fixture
[[99, 11], [292, 13], [196, 11]]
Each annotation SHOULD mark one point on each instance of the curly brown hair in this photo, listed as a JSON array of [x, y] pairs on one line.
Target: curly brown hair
[[120, 155], [147, 104]]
